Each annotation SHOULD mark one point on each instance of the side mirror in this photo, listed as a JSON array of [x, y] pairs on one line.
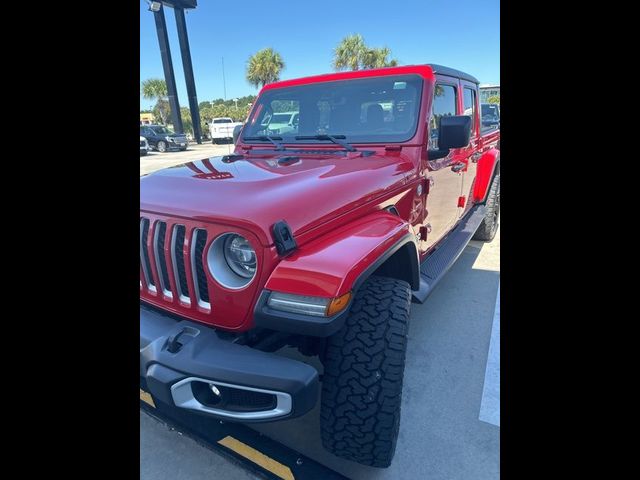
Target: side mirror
[[236, 133], [454, 132]]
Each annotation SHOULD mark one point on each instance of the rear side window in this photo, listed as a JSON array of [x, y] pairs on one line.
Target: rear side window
[[444, 104], [470, 107]]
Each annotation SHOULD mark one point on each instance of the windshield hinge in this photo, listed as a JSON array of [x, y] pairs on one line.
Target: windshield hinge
[[283, 238]]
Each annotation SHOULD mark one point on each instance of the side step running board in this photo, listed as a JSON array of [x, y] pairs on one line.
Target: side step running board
[[440, 261]]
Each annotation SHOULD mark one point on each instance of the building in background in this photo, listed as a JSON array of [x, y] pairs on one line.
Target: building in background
[[147, 119], [488, 90]]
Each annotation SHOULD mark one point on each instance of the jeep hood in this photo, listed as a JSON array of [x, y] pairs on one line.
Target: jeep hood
[[255, 192]]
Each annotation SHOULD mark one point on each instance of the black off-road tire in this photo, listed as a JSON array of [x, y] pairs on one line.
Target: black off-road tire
[[489, 226], [363, 370]]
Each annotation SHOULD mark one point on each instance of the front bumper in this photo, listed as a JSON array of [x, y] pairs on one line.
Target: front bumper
[[177, 144], [203, 358]]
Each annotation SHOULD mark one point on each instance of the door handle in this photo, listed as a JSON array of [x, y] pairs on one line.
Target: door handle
[[475, 157], [458, 166]]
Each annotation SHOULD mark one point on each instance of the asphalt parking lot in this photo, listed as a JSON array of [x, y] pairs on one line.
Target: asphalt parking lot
[[155, 160], [450, 427]]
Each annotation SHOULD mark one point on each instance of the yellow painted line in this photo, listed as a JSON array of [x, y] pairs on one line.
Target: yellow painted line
[[145, 397], [257, 457]]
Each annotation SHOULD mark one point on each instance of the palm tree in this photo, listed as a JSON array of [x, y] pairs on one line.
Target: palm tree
[[378, 58], [349, 52], [156, 89], [353, 54], [264, 67]]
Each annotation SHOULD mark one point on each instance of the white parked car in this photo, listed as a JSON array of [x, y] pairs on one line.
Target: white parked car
[[144, 146], [222, 128], [282, 122]]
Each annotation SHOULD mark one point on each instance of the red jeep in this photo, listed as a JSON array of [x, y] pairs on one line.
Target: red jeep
[[318, 236]]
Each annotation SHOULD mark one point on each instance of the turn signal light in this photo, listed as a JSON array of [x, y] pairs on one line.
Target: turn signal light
[[338, 304]]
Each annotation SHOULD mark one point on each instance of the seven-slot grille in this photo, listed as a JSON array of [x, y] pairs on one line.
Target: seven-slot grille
[[163, 262]]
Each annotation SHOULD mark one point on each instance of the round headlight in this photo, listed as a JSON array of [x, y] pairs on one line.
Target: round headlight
[[240, 256], [232, 260]]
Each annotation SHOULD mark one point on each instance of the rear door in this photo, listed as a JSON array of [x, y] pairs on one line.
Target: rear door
[[469, 156], [444, 182]]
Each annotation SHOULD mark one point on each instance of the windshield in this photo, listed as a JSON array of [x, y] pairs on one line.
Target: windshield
[[161, 130], [222, 120], [368, 110]]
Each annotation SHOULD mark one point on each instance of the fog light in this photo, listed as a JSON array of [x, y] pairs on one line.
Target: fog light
[[215, 390]]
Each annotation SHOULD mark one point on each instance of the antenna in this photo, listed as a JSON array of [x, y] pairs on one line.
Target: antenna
[[224, 83]]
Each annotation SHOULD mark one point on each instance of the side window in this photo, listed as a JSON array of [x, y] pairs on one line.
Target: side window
[[470, 107], [490, 114], [444, 104]]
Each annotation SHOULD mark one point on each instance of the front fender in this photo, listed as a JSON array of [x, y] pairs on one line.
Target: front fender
[[486, 168], [338, 262]]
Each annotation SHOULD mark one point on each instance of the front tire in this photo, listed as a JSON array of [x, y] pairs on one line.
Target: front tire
[[363, 371], [162, 146], [489, 226]]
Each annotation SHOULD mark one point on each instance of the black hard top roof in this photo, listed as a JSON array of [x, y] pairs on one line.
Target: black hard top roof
[[452, 72]]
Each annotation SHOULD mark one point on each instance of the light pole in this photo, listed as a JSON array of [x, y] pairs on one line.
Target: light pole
[[236, 100], [167, 65]]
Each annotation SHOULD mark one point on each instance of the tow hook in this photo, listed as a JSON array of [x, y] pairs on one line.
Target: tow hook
[[174, 346]]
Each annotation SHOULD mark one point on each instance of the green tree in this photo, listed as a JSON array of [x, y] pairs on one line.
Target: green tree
[[187, 123], [156, 89], [162, 110], [264, 67], [353, 54], [378, 58], [349, 53], [494, 99]]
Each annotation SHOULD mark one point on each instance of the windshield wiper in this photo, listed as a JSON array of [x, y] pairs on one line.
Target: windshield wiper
[[267, 138], [332, 138]]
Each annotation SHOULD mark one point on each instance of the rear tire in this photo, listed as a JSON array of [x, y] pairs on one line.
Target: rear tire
[[489, 226], [363, 370], [162, 146]]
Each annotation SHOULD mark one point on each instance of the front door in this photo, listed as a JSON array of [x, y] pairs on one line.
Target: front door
[[443, 180]]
